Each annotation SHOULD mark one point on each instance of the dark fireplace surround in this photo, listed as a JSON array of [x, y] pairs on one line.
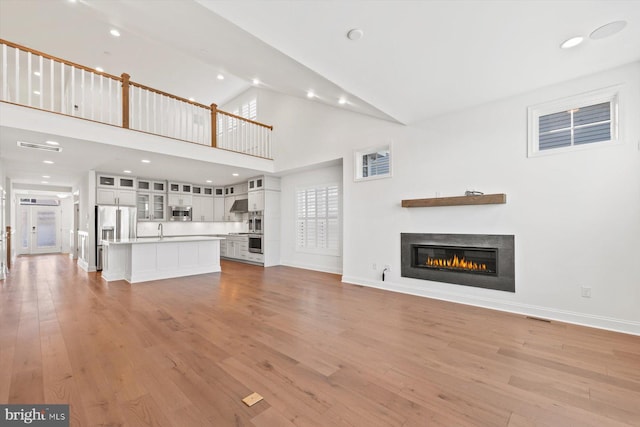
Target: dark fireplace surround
[[479, 260]]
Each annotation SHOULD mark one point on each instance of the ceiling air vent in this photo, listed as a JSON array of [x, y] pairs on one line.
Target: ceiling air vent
[[39, 147]]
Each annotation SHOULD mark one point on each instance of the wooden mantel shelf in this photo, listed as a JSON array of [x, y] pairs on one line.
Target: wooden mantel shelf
[[484, 199]]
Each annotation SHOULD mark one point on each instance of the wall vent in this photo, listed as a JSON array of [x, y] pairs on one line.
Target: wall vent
[[33, 146]]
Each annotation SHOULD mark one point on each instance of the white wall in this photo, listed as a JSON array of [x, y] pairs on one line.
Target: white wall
[[575, 216], [66, 223], [288, 185]]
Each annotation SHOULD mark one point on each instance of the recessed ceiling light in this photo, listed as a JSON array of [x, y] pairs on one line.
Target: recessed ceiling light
[[145, 161], [608, 30], [46, 176], [256, 81], [62, 195], [235, 174], [115, 33], [49, 162], [36, 92], [100, 69], [355, 34], [44, 182], [572, 42], [126, 171], [220, 77], [192, 99], [342, 101], [36, 73], [72, 1], [310, 94], [52, 142], [209, 181]]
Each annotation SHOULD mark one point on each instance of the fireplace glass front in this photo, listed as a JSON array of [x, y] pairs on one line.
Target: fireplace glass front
[[456, 258]]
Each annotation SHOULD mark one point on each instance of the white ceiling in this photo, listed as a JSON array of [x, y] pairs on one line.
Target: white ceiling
[[417, 59]]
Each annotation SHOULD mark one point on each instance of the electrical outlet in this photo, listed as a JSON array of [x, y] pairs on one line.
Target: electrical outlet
[[387, 267], [374, 266], [585, 292]]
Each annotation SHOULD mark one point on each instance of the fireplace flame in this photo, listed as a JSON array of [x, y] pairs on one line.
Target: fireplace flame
[[456, 263]]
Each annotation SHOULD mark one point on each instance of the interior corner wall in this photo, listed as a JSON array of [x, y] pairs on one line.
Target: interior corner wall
[[574, 215], [289, 255]]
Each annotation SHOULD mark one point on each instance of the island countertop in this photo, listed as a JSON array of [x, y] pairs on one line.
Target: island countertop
[[166, 239]]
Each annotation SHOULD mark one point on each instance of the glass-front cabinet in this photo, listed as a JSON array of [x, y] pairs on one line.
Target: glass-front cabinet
[[158, 211]]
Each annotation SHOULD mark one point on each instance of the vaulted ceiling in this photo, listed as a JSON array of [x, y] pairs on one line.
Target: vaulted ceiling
[[415, 59]]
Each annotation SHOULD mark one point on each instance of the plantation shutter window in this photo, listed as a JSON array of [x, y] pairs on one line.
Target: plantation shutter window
[[372, 163], [317, 220], [573, 123]]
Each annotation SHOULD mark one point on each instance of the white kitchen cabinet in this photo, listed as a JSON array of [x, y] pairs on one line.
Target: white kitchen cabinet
[[145, 184], [113, 181], [237, 247], [180, 187], [151, 206], [114, 196], [115, 190], [256, 200], [218, 209], [202, 208], [253, 257], [256, 184], [264, 183], [180, 199]]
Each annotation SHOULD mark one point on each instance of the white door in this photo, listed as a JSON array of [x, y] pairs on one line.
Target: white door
[[39, 229]]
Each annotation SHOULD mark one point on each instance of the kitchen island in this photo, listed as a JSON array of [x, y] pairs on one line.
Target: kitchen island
[[153, 258]]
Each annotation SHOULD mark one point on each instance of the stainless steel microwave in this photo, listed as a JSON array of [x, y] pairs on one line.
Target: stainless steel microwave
[[179, 213]]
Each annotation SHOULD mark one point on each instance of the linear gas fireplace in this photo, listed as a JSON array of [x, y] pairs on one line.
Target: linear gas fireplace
[[480, 260]]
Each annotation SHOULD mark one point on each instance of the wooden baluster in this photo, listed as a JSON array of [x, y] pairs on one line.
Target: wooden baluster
[[125, 100], [214, 125]]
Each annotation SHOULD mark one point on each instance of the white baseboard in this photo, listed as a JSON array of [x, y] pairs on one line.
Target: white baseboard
[[594, 321], [313, 267], [85, 266]]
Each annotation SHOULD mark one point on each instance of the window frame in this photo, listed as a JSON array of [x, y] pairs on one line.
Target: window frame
[[609, 94], [358, 156]]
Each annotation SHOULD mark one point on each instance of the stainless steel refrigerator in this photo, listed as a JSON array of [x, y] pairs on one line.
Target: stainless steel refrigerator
[[113, 222]]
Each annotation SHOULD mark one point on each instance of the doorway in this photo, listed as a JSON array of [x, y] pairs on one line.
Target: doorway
[[39, 229]]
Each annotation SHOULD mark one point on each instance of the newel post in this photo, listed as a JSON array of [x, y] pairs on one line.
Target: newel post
[[125, 100], [214, 125]]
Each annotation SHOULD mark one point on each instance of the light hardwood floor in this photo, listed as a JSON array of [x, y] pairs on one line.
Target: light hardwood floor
[[184, 352]]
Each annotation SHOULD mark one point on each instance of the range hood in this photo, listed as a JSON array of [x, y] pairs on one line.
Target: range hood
[[240, 206]]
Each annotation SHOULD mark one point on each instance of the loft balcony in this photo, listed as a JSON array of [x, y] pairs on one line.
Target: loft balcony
[[37, 80]]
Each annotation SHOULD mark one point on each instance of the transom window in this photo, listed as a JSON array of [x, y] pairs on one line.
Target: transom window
[[372, 163], [576, 122]]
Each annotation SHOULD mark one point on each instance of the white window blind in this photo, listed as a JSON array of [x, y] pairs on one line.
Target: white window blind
[[375, 164], [574, 123], [372, 163], [317, 220]]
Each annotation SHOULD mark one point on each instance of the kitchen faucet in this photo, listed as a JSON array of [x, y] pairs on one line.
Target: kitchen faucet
[[160, 231]]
